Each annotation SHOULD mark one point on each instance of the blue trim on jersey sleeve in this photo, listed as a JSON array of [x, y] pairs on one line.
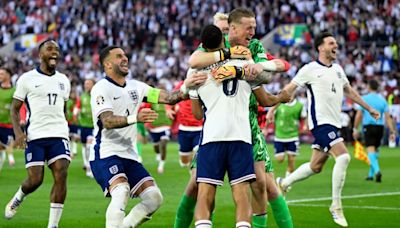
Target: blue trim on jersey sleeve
[[98, 140], [28, 107], [313, 114], [114, 82]]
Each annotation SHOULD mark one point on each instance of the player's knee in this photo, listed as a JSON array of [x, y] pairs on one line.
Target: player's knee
[[317, 168], [345, 158], [151, 199]]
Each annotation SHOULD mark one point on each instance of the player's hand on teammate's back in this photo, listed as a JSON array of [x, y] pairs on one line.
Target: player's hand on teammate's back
[[196, 79], [270, 117], [375, 114], [146, 115], [20, 141], [170, 113], [240, 52]]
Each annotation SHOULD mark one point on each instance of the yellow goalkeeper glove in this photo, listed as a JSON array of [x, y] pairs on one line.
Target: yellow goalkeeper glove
[[236, 52], [223, 73]]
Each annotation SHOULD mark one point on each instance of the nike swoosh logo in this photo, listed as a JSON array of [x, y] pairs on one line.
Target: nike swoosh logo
[[116, 98], [37, 86]]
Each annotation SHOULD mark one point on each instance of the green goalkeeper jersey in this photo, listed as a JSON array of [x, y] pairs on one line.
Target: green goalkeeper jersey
[[287, 118], [85, 114], [6, 97], [70, 110]]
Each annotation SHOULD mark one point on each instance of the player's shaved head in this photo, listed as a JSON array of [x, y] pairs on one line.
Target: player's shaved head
[[211, 37], [319, 39], [105, 52], [237, 14]]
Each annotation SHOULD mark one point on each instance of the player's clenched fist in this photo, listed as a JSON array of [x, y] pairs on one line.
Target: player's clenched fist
[[236, 52], [146, 115], [226, 72]]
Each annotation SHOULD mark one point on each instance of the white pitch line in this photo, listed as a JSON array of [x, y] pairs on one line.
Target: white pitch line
[[343, 197], [346, 206]]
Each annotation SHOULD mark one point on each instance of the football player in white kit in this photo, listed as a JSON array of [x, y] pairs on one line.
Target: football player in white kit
[[45, 92], [114, 159], [326, 83]]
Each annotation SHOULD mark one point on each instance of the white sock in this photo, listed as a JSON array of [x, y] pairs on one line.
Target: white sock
[[20, 195], [338, 178], [11, 159], [87, 154], [151, 201], [301, 173], [243, 224], [161, 163], [203, 224], [85, 161], [55, 214], [73, 146], [287, 173], [116, 209], [2, 158]]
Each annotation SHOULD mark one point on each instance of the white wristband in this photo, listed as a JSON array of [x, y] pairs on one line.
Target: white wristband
[[131, 119], [183, 89], [268, 65], [217, 56]]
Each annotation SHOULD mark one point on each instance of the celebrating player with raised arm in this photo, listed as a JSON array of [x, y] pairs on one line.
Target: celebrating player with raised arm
[[326, 82]]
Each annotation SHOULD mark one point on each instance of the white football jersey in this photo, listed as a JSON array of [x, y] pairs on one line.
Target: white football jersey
[[226, 108], [325, 92], [107, 95], [45, 98]]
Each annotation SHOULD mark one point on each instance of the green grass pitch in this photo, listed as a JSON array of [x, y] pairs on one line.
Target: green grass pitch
[[366, 204]]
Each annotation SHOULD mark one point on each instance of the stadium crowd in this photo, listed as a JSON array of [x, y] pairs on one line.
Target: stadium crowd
[[160, 35]]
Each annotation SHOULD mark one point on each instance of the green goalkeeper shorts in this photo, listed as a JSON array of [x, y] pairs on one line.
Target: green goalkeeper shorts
[[260, 151]]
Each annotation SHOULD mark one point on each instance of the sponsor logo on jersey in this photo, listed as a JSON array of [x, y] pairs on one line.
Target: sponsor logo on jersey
[[113, 169]]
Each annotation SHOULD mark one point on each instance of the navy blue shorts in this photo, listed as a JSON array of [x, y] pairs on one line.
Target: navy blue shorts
[[188, 140], [48, 149], [289, 147], [325, 137], [73, 129], [84, 133], [108, 169], [6, 135], [216, 158], [157, 137]]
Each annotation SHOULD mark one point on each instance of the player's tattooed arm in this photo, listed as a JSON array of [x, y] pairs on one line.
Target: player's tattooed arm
[[171, 97], [20, 137], [110, 121]]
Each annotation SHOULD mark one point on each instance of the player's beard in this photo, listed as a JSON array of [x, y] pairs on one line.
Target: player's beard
[[118, 71]]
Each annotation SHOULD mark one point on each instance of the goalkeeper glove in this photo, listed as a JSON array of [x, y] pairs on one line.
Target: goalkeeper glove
[[236, 52], [223, 73]]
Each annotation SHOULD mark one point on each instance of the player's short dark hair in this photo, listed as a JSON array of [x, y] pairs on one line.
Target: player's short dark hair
[[211, 37], [373, 84], [105, 52], [44, 42], [7, 70], [319, 39], [238, 13]]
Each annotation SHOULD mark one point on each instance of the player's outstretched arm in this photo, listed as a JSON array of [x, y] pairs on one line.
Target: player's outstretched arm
[[110, 121], [266, 99], [353, 95], [20, 137]]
